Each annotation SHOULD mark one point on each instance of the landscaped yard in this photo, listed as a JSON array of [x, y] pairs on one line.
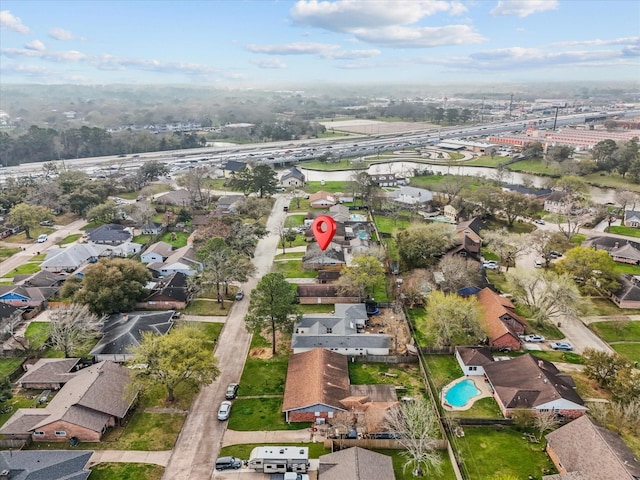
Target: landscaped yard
[[490, 452], [126, 471], [264, 376]]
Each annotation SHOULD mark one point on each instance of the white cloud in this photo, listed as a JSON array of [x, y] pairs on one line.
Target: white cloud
[[62, 34], [11, 22], [322, 50], [269, 63], [633, 41], [523, 8], [407, 37], [35, 45], [345, 15]]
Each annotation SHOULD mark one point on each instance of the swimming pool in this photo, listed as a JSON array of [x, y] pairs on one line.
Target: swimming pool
[[461, 392]]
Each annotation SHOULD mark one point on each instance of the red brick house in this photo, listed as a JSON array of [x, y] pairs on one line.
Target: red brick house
[[500, 321], [94, 400]]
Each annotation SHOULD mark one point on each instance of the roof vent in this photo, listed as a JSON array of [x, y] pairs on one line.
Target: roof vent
[[4, 474]]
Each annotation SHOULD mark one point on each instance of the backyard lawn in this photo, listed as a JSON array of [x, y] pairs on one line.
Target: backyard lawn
[[490, 452], [37, 333], [442, 369], [389, 225], [175, 239], [405, 376], [9, 365]]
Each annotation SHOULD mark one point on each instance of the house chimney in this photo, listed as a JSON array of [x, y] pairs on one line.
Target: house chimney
[[616, 245]]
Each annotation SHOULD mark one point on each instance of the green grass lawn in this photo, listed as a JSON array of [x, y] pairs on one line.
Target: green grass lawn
[[631, 351], [483, 408], [24, 269], [207, 307], [126, 471], [211, 329], [556, 356], [145, 431], [37, 333], [426, 181], [288, 255], [489, 452], [6, 252], [626, 268], [617, 331], [9, 365], [180, 239], [407, 376], [260, 414], [329, 186], [305, 206], [20, 401], [294, 221], [70, 239], [487, 161], [443, 369], [157, 397], [316, 308], [388, 225], [611, 181], [598, 306], [622, 230], [535, 166], [293, 269], [402, 473], [141, 239], [264, 376]]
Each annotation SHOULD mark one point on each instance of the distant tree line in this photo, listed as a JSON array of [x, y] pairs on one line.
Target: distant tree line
[[47, 144], [418, 112]]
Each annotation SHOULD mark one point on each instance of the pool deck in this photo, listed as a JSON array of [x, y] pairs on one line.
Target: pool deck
[[478, 380]]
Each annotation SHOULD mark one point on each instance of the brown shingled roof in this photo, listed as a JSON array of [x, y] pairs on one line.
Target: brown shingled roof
[[496, 308], [316, 377], [599, 455]]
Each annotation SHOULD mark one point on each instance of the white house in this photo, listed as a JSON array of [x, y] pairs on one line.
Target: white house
[[472, 360], [126, 249], [71, 258], [411, 195], [182, 260], [156, 253]]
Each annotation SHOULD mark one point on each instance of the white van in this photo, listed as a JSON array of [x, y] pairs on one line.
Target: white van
[[42, 238]]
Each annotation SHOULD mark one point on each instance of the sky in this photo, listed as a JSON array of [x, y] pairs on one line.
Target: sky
[[250, 43]]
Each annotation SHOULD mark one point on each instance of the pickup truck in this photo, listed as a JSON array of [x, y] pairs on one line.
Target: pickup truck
[[289, 476]]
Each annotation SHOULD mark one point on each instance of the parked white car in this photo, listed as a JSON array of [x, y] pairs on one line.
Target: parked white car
[[42, 238]]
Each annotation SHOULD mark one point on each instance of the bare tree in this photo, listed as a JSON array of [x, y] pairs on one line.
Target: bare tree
[[545, 421], [71, 326], [508, 246], [547, 294], [11, 327], [458, 273], [416, 422]]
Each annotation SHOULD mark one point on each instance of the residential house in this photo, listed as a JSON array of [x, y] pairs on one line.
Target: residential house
[[411, 195], [339, 238], [355, 463], [228, 204], [557, 202], [538, 193], [43, 278], [232, 167], [451, 213], [470, 242], [156, 253], [317, 387], [339, 213], [472, 360], [328, 276], [95, 399], [151, 228], [322, 199], [182, 260], [8, 311], [110, 234], [628, 295], [19, 296], [599, 455], [69, 259], [123, 331], [339, 332], [316, 259], [126, 249], [632, 218], [45, 464], [201, 220], [386, 180], [623, 251], [528, 382], [49, 373], [179, 197], [293, 178], [167, 293], [500, 321]]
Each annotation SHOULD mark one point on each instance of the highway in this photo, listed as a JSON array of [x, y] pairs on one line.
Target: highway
[[287, 153]]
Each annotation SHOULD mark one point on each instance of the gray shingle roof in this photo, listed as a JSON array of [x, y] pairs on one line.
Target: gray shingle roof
[[50, 370], [46, 464], [356, 464], [71, 257], [110, 233], [341, 341], [123, 332]]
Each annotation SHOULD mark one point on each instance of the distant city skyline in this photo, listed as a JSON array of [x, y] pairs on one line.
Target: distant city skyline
[[253, 43]]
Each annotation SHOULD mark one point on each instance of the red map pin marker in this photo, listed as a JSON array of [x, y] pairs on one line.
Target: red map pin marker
[[324, 228]]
